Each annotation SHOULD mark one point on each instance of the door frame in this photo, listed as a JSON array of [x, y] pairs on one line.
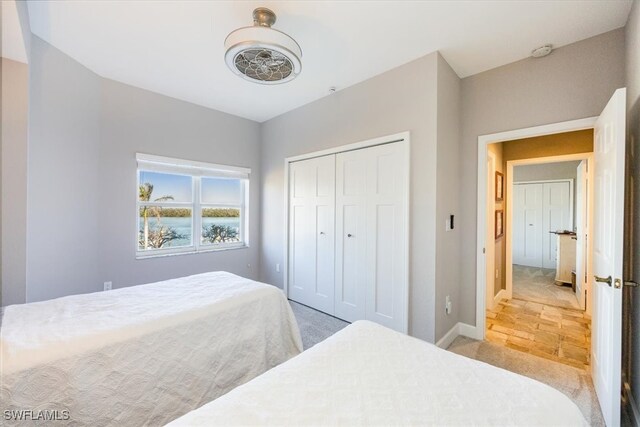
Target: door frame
[[481, 224], [490, 229], [509, 216], [402, 137]]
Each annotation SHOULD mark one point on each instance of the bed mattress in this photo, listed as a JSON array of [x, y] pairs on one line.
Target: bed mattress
[[370, 375], [143, 355]]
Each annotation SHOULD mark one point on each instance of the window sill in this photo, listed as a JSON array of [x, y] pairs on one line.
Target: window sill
[[194, 252]]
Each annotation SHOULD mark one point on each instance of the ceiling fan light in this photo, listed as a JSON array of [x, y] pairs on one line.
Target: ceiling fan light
[[261, 54]]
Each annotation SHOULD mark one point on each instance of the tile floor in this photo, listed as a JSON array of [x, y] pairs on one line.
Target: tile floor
[[538, 285], [555, 333]]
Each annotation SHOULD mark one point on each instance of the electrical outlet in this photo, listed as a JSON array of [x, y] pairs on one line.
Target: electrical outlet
[[447, 305], [249, 266], [277, 268], [108, 286], [497, 273]]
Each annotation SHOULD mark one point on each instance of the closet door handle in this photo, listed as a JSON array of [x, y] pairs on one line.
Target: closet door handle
[[349, 235], [322, 232]]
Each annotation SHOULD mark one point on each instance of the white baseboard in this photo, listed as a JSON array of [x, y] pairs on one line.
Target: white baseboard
[[448, 338], [470, 331], [457, 330]]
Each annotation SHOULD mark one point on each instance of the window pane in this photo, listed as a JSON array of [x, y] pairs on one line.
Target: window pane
[[164, 187], [220, 225], [224, 191], [164, 227]]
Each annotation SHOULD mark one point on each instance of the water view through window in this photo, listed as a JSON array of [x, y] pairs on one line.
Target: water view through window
[[168, 204]]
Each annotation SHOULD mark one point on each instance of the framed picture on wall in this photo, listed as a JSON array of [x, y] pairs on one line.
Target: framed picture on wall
[[499, 186], [499, 225]]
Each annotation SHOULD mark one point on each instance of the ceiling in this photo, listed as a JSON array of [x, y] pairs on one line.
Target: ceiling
[[12, 40], [176, 47]]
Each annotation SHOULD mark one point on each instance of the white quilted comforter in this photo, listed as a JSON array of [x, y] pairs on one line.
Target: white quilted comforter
[[143, 355], [368, 375]]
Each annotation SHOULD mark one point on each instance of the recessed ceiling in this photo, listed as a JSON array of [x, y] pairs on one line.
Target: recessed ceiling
[[176, 48], [12, 40]]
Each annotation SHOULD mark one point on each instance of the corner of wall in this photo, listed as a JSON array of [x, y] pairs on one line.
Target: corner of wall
[[448, 242]]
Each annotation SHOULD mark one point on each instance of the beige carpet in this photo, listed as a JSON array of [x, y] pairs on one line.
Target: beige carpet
[[575, 383], [538, 285]]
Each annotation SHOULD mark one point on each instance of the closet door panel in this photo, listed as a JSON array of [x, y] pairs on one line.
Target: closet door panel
[[325, 250], [302, 254], [351, 238], [557, 216], [529, 208], [386, 236], [311, 232]]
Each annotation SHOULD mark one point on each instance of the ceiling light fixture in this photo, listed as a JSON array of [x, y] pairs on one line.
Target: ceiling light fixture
[[261, 54], [541, 51]]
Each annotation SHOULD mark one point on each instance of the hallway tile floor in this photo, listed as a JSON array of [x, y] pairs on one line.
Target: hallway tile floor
[[538, 284], [555, 333]]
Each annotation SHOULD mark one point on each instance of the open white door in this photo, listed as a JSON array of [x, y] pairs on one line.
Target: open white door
[[582, 229], [608, 220]]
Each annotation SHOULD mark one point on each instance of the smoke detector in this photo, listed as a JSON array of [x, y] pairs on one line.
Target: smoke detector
[[541, 51], [262, 54]]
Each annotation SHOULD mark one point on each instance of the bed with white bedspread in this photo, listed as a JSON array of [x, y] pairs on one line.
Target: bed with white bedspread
[[368, 375], [143, 355]]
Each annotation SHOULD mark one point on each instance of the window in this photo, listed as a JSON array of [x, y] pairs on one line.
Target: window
[[187, 207]]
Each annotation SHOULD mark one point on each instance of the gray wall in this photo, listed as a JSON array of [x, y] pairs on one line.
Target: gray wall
[[575, 81], [84, 133], [135, 120], [14, 180], [448, 183], [632, 296], [63, 181], [401, 99]]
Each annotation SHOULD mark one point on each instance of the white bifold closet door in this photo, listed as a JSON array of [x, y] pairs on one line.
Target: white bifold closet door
[[371, 233], [527, 224], [539, 208], [312, 232]]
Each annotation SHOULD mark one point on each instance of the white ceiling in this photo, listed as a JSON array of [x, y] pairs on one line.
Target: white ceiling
[[12, 40], [176, 47]]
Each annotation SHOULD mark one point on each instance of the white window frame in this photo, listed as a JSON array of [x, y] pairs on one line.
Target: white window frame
[[197, 171]]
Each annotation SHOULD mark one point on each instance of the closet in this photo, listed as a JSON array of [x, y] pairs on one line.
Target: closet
[[539, 209], [347, 237]]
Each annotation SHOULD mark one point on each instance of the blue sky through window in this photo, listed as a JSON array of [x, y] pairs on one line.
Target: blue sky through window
[[221, 190], [164, 184]]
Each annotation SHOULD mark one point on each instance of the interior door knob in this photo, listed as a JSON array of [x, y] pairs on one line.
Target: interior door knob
[[349, 235], [322, 232], [606, 280]]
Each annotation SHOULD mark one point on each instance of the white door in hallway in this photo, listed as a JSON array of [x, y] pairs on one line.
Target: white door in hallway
[[556, 215], [539, 208], [608, 242], [527, 224], [582, 230], [311, 232]]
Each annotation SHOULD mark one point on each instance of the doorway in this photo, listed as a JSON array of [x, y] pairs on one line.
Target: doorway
[[538, 306], [605, 249]]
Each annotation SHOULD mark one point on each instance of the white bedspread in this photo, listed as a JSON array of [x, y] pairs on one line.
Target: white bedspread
[[370, 375], [143, 355]]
